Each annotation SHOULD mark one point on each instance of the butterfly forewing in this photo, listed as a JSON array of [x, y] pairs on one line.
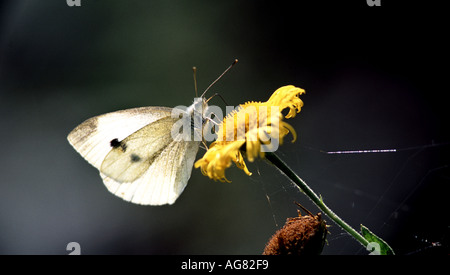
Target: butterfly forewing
[[92, 138], [131, 157]]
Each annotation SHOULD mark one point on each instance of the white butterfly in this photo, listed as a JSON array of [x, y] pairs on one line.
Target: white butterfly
[[139, 156]]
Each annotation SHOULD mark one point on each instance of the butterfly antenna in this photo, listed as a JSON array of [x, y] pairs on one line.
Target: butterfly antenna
[[220, 76], [219, 95], [194, 70]]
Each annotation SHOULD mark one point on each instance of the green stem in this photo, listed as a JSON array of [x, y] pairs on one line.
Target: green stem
[[275, 160]]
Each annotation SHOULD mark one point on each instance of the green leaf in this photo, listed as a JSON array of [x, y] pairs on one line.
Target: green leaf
[[376, 246]]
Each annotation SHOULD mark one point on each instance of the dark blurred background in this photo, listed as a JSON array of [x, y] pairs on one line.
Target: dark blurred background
[[375, 79]]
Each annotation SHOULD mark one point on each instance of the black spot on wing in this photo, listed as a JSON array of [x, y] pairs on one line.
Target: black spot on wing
[[115, 143], [135, 158]]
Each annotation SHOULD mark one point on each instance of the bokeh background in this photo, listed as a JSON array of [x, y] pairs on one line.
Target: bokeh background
[[375, 79]]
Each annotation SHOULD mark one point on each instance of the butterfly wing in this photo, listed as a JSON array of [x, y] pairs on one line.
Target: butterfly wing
[[92, 138], [165, 178], [130, 158], [138, 159]]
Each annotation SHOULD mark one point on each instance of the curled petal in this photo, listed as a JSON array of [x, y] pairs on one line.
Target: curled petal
[[288, 97]]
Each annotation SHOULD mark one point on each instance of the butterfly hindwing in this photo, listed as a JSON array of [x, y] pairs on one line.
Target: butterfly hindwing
[[163, 181]]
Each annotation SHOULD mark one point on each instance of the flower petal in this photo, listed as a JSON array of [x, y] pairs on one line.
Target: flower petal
[[253, 124]]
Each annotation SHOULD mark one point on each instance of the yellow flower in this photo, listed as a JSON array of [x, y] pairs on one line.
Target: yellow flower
[[258, 126]]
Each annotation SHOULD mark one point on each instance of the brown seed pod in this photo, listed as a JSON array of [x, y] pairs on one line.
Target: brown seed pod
[[302, 235]]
